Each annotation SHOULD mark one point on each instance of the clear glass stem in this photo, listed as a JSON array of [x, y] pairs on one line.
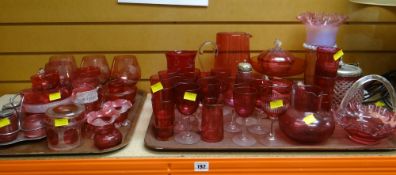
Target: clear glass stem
[[186, 123], [260, 119], [232, 124], [272, 132], [244, 129]]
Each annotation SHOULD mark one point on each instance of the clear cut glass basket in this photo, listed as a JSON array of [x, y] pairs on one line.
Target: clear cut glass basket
[[366, 123]]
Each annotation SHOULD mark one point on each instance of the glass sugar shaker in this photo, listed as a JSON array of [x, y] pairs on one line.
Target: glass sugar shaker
[[245, 72], [347, 74]]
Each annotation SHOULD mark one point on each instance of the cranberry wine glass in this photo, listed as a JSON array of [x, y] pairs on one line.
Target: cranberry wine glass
[[100, 62], [126, 68], [258, 128], [232, 125], [244, 103], [275, 95], [187, 102]]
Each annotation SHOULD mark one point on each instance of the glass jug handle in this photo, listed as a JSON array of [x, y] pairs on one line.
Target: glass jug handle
[[201, 51], [362, 81]]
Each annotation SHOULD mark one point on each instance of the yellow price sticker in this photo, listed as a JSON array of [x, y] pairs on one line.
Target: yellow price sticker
[[4, 122], [156, 87], [61, 122], [190, 96], [310, 119], [55, 96], [276, 104], [379, 104], [338, 55]]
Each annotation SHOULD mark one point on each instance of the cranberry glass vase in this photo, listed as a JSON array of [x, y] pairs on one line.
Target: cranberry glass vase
[[105, 134]]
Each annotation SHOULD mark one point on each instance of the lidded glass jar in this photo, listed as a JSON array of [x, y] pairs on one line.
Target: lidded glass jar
[[63, 126], [9, 125], [346, 75], [278, 62]]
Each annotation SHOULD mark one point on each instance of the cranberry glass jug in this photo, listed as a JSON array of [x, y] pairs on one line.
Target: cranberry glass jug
[[305, 121], [180, 60], [232, 48]]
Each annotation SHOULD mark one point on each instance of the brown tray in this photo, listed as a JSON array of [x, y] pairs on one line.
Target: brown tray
[[39, 147], [337, 142]]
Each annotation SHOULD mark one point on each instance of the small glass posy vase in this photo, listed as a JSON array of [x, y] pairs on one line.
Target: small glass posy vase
[[102, 129]]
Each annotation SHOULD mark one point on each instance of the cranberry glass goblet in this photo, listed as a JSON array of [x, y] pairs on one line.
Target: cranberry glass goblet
[[100, 62], [187, 102], [126, 68], [275, 95], [244, 103]]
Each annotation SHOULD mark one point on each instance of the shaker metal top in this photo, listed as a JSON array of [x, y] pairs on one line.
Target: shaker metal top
[[347, 70], [245, 66]]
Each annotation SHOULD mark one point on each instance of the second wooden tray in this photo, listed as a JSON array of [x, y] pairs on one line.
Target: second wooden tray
[[337, 142]]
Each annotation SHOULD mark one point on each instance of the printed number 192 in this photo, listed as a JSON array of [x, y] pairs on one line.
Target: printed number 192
[[201, 166]]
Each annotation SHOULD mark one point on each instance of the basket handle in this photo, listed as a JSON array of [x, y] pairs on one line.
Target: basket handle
[[362, 81]]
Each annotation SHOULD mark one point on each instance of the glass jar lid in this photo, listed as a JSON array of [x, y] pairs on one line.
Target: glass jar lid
[[348, 70], [65, 111]]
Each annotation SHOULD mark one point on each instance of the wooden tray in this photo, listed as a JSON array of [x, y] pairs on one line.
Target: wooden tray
[[337, 142], [39, 147]]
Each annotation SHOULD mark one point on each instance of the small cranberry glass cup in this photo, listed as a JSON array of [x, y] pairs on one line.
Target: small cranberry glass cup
[[164, 115], [212, 129]]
